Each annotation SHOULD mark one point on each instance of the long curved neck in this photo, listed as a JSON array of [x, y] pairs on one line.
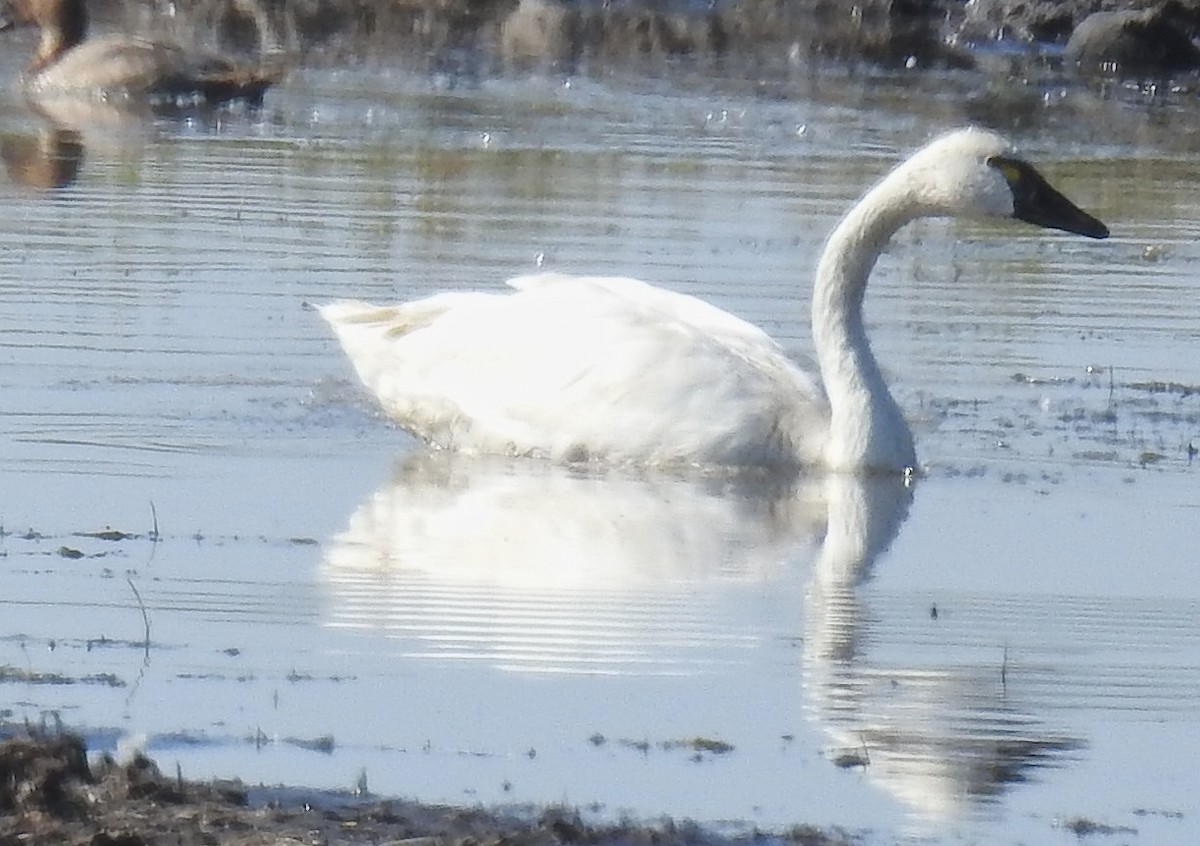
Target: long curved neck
[[64, 25], [866, 428]]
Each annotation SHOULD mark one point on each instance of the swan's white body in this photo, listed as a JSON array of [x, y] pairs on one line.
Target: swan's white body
[[576, 368], [614, 369]]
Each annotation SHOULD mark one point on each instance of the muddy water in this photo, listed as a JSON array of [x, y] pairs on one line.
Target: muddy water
[[303, 595]]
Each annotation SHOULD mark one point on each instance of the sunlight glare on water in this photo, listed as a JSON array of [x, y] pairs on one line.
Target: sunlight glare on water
[[1013, 640]]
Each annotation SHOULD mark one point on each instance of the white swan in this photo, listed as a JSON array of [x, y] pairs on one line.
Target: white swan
[[601, 368]]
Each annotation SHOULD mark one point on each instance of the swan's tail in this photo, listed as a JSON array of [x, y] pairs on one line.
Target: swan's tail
[[353, 312], [386, 323], [390, 354], [374, 336]]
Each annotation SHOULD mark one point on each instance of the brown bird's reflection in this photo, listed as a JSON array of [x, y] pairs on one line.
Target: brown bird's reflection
[[50, 154], [46, 159], [536, 567]]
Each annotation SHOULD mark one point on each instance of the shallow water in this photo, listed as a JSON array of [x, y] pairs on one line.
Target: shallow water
[[1011, 643]]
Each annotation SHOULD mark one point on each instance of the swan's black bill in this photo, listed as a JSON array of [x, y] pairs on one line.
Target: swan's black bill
[[1036, 201]]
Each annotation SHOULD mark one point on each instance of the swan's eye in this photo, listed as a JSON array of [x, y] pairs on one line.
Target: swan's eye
[[1012, 173]]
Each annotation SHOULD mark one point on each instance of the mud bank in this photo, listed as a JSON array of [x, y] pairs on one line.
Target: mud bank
[[1124, 38], [50, 793]]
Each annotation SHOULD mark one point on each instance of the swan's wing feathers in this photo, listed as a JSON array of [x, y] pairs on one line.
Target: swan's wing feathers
[[665, 304], [532, 281]]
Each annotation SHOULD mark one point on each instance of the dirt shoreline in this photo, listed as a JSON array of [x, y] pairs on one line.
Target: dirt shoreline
[[51, 795], [1119, 38]]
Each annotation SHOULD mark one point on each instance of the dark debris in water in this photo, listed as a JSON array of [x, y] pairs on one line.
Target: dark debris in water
[[116, 537], [294, 677], [698, 746], [50, 794], [1139, 424], [105, 642], [850, 759], [1157, 387], [182, 739], [1084, 827], [1149, 457], [108, 534], [324, 744], [15, 675], [1026, 379]]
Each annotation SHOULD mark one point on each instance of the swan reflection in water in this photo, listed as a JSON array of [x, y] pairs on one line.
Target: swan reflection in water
[[535, 567], [543, 568], [945, 736]]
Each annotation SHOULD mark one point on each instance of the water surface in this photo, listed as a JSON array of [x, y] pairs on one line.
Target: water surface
[[1011, 643]]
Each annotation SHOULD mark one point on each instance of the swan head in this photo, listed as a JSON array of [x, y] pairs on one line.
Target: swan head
[[972, 172]]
